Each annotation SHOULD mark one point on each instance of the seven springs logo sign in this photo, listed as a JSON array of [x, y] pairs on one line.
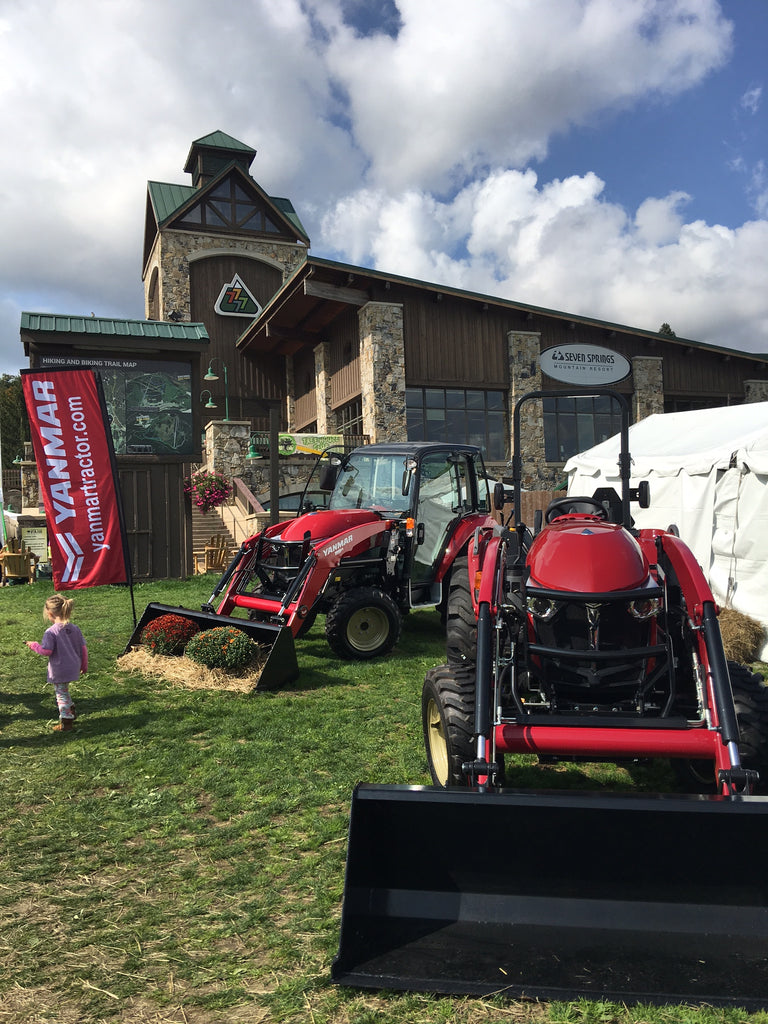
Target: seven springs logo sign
[[584, 364]]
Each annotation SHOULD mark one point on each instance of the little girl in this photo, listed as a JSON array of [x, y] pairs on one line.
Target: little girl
[[64, 646]]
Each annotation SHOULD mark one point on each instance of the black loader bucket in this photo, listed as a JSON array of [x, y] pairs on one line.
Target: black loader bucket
[[281, 666], [634, 898]]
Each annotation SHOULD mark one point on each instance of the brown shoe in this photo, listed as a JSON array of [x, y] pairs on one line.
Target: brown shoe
[[65, 725]]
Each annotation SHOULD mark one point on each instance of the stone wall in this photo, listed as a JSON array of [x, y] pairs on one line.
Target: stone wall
[[382, 371], [756, 391], [648, 380], [326, 416], [525, 375], [173, 251], [226, 450]]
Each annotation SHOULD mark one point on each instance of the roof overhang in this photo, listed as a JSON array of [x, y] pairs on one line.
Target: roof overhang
[[300, 313], [321, 290]]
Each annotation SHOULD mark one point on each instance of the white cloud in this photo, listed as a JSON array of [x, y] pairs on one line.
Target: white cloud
[[407, 151], [750, 101], [465, 86], [562, 246]]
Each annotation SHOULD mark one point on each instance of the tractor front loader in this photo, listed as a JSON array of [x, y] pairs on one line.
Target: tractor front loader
[[398, 517], [582, 640]]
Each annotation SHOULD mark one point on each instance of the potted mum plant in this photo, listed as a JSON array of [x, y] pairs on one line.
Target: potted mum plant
[[207, 489]]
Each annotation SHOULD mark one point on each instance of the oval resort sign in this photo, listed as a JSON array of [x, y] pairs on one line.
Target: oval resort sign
[[581, 363]]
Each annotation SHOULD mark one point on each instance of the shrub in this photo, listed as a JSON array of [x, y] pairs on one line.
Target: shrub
[[168, 634], [222, 647], [207, 489]]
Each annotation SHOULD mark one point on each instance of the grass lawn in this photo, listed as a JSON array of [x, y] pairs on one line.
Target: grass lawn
[[179, 857]]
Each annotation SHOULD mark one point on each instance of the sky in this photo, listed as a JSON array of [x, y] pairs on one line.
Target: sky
[[604, 158]]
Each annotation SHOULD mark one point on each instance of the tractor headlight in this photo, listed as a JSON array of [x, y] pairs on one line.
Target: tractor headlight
[[645, 608], [543, 608]]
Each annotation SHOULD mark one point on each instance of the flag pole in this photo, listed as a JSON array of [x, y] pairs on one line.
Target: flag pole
[[118, 493], [2, 506]]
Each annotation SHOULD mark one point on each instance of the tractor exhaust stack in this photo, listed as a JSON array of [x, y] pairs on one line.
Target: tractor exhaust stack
[[637, 898]]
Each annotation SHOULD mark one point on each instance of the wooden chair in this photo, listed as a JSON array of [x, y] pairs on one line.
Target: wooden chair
[[214, 557], [17, 562]]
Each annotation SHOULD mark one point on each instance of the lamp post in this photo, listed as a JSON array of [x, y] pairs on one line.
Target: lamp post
[[210, 404], [210, 375]]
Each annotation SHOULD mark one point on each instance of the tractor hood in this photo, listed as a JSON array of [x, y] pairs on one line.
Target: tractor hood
[[323, 523], [586, 555]]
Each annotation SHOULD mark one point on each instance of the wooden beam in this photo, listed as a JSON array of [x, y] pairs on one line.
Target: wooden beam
[[321, 290], [291, 334]]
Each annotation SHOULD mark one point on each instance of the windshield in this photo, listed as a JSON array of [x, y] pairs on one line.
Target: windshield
[[371, 481]]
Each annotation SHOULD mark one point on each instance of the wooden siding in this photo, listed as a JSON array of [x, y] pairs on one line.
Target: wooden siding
[[305, 394], [250, 378], [156, 519], [344, 358], [452, 342], [697, 373]]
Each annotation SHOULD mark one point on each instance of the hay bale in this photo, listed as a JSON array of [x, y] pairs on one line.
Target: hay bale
[[743, 637], [181, 671]]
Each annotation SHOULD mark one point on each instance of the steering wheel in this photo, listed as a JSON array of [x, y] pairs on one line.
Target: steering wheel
[[562, 506]]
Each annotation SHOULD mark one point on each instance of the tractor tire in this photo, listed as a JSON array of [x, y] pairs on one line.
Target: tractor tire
[[363, 623], [448, 719], [750, 696], [750, 699], [461, 623]]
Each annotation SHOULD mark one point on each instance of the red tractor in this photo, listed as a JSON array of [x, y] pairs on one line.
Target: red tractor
[[582, 639], [397, 517], [591, 640]]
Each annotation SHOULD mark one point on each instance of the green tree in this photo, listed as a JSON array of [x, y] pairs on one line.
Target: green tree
[[14, 424], [667, 330]]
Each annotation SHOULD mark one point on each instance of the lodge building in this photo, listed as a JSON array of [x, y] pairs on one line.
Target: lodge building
[[232, 293]]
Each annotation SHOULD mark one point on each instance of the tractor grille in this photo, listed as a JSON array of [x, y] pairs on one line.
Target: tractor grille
[[593, 653]]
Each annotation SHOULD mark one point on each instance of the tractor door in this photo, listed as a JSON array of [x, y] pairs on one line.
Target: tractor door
[[444, 495]]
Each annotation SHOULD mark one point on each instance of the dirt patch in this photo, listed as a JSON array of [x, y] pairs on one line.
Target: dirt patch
[[181, 671]]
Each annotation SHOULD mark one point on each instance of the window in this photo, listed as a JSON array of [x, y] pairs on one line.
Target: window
[[350, 417], [672, 404], [230, 207], [572, 425], [459, 414]]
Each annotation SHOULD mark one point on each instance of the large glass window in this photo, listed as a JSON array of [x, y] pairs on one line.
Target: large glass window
[[229, 206], [459, 414], [572, 425]]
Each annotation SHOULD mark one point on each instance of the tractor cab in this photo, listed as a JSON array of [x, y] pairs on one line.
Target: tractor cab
[[430, 488]]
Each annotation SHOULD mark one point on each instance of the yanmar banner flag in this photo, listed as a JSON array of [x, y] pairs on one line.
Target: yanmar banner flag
[[75, 462]]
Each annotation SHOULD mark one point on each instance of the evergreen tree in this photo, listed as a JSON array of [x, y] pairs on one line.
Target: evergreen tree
[[14, 425]]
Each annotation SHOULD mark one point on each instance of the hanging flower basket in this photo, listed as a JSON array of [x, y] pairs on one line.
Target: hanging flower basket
[[207, 489]]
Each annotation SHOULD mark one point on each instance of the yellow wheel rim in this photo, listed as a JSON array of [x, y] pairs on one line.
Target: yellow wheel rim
[[438, 748], [367, 629]]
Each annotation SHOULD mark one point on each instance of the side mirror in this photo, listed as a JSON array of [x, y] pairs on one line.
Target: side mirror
[[641, 494], [328, 476], [498, 496], [410, 469]]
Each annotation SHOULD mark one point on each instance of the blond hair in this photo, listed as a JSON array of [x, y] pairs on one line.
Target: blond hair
[[59, 607]]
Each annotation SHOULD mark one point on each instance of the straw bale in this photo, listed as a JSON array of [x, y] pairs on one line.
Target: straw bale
[[181, 671], [743, 637]]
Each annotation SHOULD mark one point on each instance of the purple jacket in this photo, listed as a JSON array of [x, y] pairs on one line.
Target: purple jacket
[[64, 646]]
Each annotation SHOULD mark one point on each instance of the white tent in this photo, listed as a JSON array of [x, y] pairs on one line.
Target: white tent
[[708, 474]]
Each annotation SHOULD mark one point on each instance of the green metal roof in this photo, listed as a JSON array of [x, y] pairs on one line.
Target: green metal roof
[[97, 325], [220, 140], [166, 199], [285, 206]]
